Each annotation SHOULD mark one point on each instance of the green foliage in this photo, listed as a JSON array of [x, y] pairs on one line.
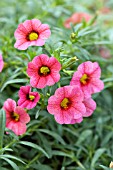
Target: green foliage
[[47, 145]]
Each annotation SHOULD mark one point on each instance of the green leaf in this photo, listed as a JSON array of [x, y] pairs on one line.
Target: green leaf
[[84, 135], [15, 167], [105, 168], [42, 167], [13, 81], [35, 147], [54, 135], [2, 126], [45, 51], [60, 153], [97, 154], [12, 157]]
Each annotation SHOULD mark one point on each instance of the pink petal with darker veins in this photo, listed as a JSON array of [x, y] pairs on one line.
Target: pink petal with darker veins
[[32, 69], [24, 90], [43, 27], [54, 64], [17, 127], [9, 105], [54, 109], [21, 44], [96, 85], [37, 61], [42, 82], [28, 25], [35, 24], [34, 81], [39, 42], [60, 93], [86, 67], [90, 107], [80, 109], [50, 80], [76, 120], [44, 59], [59, 118], [96, 71], [45, 34]]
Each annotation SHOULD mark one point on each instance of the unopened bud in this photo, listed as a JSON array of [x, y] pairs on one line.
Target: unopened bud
[[111, 165], [73, 35], [74, 58]]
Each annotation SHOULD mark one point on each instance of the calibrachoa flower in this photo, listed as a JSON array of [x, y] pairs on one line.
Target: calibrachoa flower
[[87, 77], [16, 117], [27, 99], [77, 18], [31, 33], [90, 107], [1, 63], [43, 71], [66, 104]]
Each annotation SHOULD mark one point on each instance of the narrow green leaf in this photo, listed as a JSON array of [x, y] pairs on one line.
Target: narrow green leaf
[[97, 154], [15, 167], [55, 135], [12, 157], [60, 153], [34, 146], [13, 81], [84, 135], [105, 168], [2, 126]]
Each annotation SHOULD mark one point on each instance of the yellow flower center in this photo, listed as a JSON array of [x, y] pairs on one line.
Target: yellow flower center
[[33, 36], [65, 103], [31, 97], [84, 79], [44, 70], [15, 116]]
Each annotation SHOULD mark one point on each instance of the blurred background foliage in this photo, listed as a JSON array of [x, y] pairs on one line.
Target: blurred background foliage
[[48, 145]]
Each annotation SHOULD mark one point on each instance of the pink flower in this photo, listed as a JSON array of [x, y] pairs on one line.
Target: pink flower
[[87, 77], [27, 99], [77, 18], [43, 71], [31, 33], [90, 107], [1, 63], [16, 117], [66, 104]]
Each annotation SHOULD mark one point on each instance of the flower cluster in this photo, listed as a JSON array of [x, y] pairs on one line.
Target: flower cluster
[[70, 103]]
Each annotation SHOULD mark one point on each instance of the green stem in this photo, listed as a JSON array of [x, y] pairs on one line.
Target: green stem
[[32, 161]]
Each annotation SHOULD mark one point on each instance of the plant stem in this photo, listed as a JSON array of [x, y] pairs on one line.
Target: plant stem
[[32, 161]]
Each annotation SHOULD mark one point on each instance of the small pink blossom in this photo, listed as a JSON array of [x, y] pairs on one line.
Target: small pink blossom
[[16, 117], [31, 33], [87, 77], [43, 71], [27, 98], [1, 63], [66, 104], [77, 18]]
